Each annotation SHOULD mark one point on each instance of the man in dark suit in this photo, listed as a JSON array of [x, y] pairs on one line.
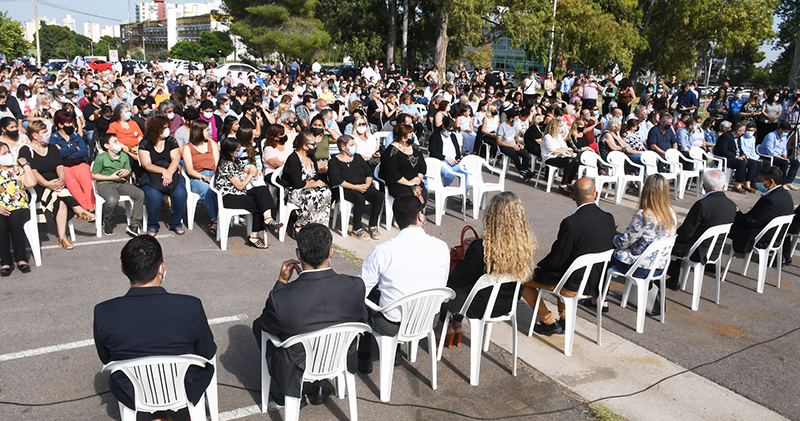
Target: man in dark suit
[[713, 209], [774, 202], [148, 321], [727, 146], [318, 298], [794, 229], [587, 230]]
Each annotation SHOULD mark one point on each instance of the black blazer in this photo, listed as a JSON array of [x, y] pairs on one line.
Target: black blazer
[[726, 146], [315, 300], [148, 321], [712, 210], [292, 176], [436, 146], [747, 225], [589, 230]]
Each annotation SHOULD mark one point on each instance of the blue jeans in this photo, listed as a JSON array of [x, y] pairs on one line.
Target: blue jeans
[[448, 177], [153, 199], [208, 197], [469, 142], [636, 158]]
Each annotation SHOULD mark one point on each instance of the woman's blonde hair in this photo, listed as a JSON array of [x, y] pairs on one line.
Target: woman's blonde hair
[[508, 243], [552, 127], [573, 129], [654, 202]]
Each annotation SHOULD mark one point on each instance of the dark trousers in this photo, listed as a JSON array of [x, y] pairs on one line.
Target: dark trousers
[[256, 201], [739, 166], [521, 158], [753, 167], [12, 233], [110, 192], [570, 166], [788, 168], [373, 196], [491, 142], [379, 324]]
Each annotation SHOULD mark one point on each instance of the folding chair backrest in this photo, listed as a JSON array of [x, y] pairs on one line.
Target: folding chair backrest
[[377, 173], [418, 311], [697, 154], [586, 263], [158, 382], [661, 249], [327, 349], [716, 237], [494, 282], [473, 165], [777, 227], [380, 138]]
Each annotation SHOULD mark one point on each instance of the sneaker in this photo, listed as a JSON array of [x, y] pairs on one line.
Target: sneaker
[[108, 229], [132, 231]]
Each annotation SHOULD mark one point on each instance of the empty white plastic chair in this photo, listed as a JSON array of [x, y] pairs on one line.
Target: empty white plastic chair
[[418, 311], [684, 175], [442, 192], [285, 207], [717, 236], [551, 175], [191, 200], [388, 200], [778, 227], [326, 358], [473, 165], [481, 329], [590, 167], [622, 161], [662, 248], [650, 160], [158, 385], [225, 218], [586, 263]]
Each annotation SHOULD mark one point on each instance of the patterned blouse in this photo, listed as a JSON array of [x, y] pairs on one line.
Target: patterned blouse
[[225, 171], [633, 141], [639, 234], [13, 194]]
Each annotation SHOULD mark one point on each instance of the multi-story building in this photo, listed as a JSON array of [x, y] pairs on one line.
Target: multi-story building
[[32, 25], [69, 22], [147, 11], [91, 30], [156, 36]]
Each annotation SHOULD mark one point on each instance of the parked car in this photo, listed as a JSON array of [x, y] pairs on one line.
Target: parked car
[[345, 70], [100, 66], [223, 69], [55, 66]]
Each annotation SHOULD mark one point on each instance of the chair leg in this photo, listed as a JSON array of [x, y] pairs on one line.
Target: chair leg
[[477, 196], [475, 351], [126, 414], [98, 223], [388, 347], [662, 291], [222, 231], [685, 268], [292, 409], [763, 265], [727, 264], [779, 258], [432, 354], [32, 232], [641, 306], [747, 258], [441, 340], [699, 271], [413, 346], [350, 381], [515, 335], [266, 380], [626, 293], [487, 335], [191, 208], [718, 267], [464, 206], [212, 393], [571, 312], [535, 313], [340, 386], [198, 412], [71, 227]]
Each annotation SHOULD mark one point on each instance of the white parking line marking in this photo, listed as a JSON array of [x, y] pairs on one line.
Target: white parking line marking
[[90, 342], [240, 413], [94, 243]]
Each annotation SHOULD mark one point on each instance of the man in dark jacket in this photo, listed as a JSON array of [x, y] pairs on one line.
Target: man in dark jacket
[[727, 146], [587, 230], [449, 153], [776, 201]]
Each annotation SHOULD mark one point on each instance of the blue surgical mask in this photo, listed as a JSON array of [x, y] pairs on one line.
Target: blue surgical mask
[[241, 153], [126, 116], [149, 84], [446, 133], [351, 151], [761, 187], [784, 136], [125, 96]]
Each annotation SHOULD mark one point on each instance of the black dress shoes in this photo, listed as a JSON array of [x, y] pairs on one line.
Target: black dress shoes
[[364, 365], [548, 329], [318, 394]]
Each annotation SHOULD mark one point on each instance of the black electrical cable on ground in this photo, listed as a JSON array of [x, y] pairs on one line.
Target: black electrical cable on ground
[[447, 411]]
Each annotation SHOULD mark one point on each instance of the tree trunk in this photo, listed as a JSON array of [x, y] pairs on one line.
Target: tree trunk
[[406, 11], [391, 38], [440, 51], [794, 76]]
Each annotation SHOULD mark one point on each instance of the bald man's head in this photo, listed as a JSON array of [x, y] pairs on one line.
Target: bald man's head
[[584, 191]]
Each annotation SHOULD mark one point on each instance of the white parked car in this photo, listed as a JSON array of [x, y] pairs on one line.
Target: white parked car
[[223, 69]]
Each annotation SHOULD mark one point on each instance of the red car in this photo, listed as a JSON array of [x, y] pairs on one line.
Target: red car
[[100, 65]]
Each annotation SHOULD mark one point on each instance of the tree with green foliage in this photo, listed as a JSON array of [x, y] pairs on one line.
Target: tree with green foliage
[[285, 26], [787, 39], [12, 40], [357, 29], [59, 42], [105, 44], [186, 50], [215, 44]]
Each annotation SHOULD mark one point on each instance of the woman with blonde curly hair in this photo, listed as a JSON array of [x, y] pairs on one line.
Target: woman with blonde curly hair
[[506, 248]]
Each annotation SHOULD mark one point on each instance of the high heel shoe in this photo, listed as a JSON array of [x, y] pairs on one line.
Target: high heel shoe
[[448, 339], [458, 335], [87, 216]]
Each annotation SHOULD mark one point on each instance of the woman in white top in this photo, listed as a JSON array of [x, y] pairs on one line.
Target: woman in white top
[[489, 128], [555, 152], [366, 143], [464, 123]]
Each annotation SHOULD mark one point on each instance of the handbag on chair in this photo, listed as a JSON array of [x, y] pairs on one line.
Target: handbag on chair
[[457, 252]]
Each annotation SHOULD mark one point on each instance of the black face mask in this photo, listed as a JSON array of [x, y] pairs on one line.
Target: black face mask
[[580, 129], [292, 124], [317, 131], [283, 140], [69, 130], [13, 134], [311, 151]]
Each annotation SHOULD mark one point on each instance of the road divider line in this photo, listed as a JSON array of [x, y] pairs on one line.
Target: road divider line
[[240, 413], [90, 342], [94, 243]]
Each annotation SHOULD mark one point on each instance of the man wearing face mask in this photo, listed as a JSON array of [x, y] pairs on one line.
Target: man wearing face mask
[[11, 105], [510, 145], [289, 122], [774, 202], [304, 110], [112, 171], [662, 137], [175, 324], [775, 145], [735, 106]]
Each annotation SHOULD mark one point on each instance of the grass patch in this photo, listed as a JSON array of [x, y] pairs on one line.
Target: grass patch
[[601, 413], [347, 254]]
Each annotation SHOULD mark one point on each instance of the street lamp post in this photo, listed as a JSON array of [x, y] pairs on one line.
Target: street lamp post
[[552, 38]]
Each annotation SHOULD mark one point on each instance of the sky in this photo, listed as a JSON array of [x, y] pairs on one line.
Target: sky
[[113, 12]]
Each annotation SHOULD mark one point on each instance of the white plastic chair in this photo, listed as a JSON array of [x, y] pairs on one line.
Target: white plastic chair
[[650, 160], [285, 207], [684, 175], [662, 248], [724, 163], [717, 235], [125, 201], [707, 161], [587, 262], [345, 209], [191, 200], [388, 200], [225, 218], [416, 322], [31, 228], [793, 240], [442, 192], [590, 167], [622, 161], [778, 226], [380, 139], [473, 165], [326, 358], [551, 175], [481, 329], [158, 385]]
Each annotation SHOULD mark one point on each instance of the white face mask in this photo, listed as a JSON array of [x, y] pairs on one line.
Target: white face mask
[[171, 116], [7, 160], [165, 132], [208, 116], [361, 129], [117, 148]]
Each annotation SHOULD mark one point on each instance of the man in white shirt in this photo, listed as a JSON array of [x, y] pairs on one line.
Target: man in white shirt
[[412, 261], [529, 87]]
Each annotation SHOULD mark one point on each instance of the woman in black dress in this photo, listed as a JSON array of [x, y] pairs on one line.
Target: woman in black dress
[[403, 166], [349, 170]]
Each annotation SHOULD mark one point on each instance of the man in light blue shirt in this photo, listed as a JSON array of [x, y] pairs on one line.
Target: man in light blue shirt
[[774, 145], [403, 118], [685, 137], [566, 85]]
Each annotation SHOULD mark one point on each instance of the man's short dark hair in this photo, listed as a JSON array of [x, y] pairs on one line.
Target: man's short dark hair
[[314, 242], [771, 173], [785, 126], [405, 209], [141, 258]]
